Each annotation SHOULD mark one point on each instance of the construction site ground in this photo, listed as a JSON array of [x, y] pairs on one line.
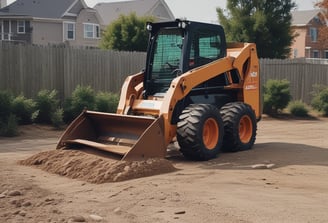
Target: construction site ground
[[284, 178]]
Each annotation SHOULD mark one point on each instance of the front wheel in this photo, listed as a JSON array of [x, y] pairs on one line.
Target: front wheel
[[240, 127], [200, 132]]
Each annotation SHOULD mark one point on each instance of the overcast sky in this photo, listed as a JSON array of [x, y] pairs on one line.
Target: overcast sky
[[199, 10]]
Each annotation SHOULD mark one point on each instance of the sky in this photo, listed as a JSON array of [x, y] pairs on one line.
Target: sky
[[199, 10]]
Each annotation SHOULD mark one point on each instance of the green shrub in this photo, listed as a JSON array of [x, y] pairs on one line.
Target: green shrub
[[57, 118], [276, 96], [320, 100], [68, 110], [82, 98], [106, 102], [5, 105], [298, 108], [9, 127], [46, 104], [23, 109]]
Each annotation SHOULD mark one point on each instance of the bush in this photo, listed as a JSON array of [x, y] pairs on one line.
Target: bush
[[107, 102], [276, 96], [298, 108], [9, 127], [320, 100], [23, 109], [5, 105], [46, 104], [82, 98], [57, 118]]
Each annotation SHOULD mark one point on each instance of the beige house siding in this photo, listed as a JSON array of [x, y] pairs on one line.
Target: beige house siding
[[86, 16], [52, 32], [298, 47], [45, 32]]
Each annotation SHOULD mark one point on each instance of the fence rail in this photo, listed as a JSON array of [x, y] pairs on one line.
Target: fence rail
[[28, 69]]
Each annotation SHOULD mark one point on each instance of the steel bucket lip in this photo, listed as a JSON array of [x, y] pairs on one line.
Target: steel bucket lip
[[150, 118]]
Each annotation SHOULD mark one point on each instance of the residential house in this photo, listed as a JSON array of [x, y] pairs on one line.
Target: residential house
[[46, 22], [110, 11], [306, 25]]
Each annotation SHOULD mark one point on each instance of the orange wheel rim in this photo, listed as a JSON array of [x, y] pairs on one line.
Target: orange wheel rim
[[210, 133], [245, 129]]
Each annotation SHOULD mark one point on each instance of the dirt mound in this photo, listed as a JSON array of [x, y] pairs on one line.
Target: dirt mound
[[94, 169]]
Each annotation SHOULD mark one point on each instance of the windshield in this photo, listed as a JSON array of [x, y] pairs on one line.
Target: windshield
[[167, 54]]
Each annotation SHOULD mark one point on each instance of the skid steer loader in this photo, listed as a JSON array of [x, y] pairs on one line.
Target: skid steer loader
[[195, 89]]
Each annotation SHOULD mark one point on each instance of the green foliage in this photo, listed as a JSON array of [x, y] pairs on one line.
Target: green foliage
[[107, 102], [82, 98], [57, 118], [127, 33], [9, 127], [320, 100], [46, 104], [23, 108], [298, 108], [266, 23], [276, 96], [5, 104]]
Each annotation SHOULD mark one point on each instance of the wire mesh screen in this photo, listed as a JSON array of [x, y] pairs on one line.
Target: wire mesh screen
[[167, 53]]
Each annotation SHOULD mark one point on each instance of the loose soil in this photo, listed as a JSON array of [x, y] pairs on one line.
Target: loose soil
[[284, 178], [94, 169]]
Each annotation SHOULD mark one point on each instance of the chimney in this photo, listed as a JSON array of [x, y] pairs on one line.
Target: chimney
[[3, 3]]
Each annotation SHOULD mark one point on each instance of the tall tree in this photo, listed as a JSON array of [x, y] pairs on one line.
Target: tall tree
[[127, 33], [323, 32], [264, 22]]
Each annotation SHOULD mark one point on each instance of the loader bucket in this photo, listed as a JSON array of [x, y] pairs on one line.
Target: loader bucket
[[132, 137]]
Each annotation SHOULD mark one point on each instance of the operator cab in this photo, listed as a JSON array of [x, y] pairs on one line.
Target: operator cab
[[177, 47]]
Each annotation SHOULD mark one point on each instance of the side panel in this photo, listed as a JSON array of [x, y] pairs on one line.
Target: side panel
[[252, 89]]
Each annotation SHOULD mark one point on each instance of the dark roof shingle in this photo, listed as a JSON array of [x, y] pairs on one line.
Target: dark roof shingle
[[38, 8]]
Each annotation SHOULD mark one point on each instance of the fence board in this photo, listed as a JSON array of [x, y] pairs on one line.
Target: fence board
[[28, 69]]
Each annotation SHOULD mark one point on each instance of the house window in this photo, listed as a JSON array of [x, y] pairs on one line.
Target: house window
[[6, 30], [91, 31], [69, 30], [315, 53], [326, 54], [20, 26], [314, 34]]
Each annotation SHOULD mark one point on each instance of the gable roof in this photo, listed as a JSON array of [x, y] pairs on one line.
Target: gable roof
[[302, 18], [109, 11], [42, 8]]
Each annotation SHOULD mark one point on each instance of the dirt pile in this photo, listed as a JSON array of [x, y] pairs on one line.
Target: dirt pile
[[94, 169]]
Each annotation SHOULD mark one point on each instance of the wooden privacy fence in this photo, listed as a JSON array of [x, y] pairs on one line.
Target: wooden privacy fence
[[303, 74], [28, 69]]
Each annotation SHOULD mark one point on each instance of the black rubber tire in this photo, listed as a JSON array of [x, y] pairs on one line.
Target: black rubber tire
[[232, 115], [190, 135]]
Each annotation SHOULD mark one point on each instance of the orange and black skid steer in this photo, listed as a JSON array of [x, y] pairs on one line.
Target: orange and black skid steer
[[196, 89]]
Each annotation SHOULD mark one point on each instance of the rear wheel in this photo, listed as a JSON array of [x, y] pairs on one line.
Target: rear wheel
[[200, 132], [240, 127]]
